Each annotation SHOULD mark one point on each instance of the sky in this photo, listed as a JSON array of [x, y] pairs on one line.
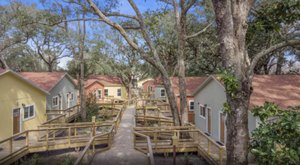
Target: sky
[[124, 7]]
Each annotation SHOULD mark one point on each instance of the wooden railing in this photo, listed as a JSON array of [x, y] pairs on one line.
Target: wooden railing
[[149, 151], [53, 135], [185, 138], [46, 139], [67, 114], [87, 155]]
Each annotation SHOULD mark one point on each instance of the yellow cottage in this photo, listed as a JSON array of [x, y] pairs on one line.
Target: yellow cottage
[[22, 104]]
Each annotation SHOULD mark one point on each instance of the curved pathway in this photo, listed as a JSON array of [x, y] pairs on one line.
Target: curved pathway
[[122, 151]]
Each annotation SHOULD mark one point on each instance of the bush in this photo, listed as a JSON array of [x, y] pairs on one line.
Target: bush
[[92, 107], [276, 141]]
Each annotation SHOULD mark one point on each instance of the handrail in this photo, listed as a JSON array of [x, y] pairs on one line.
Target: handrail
[[149, 146], [91, 143]]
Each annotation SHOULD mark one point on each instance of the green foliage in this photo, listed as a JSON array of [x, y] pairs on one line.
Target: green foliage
[[34, 160], [264, 112], [227, 108], [68, 160], [276, 141], [273, 13], [230, 82], [92, 107]]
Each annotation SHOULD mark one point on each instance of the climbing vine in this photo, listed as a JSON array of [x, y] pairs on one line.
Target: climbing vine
[[231, 87]]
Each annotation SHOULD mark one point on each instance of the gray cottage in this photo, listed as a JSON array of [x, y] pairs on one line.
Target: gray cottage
[[210, 96], [60, 85]]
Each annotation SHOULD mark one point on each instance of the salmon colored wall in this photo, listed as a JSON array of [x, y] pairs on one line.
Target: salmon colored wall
[[14, 93], [90, 90], [191, 113], [147, 84]]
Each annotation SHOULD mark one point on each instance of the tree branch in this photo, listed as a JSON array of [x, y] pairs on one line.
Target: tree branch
[[200, 32], [270, 50]]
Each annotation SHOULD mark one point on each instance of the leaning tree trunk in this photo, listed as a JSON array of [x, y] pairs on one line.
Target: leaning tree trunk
[[171, 99], [231, 19]]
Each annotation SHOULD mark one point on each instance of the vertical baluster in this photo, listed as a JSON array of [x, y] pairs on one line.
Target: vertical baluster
[[27, 138], [208, 146], [47, 139], [220, 156], [69, 136]]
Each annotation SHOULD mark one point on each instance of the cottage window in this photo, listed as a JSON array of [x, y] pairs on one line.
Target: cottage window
[[71, 96], [192, 105], [202, 111], [99, 94], [162, 92], [119, 93], [55, 101], [28, 112], [105, 92]]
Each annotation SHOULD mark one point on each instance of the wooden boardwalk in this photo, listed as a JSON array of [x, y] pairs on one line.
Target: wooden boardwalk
[[122, 150]]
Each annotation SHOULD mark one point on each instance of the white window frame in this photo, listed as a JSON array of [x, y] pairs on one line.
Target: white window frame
[[71, 96], [29, 117], [190, 105], [119, 90], [55, 97], [105, 94], [200, 114], [162, 89], [97, 94]]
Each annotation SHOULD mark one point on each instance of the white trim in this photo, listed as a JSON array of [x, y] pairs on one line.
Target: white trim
[[120, 92], [107, 92], [57, 101], [72, 94], [204, 117], [97, 94], [30, 117], [21, 119], [190, 106]]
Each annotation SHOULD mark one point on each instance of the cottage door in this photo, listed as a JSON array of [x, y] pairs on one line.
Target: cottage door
[[222, 128], [208, 120], [16, 120]]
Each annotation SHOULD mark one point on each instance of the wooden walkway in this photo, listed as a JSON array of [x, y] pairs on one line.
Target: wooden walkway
[[122, 151]]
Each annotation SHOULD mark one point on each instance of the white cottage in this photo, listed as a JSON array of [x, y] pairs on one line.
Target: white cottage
[[210, 96]]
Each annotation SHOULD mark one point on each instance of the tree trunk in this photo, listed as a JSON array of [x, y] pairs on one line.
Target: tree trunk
[[3, 63], [171, 99], [181, 33], [81, 59], [280, 62], [50, 67], [237, 139], [231, 19]]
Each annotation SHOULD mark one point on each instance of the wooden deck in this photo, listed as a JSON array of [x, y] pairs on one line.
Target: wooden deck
[[57, 134], [164, 136]]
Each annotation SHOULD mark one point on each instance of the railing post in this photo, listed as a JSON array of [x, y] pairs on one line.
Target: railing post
[[47, 139], [69, 136], [27, 138], [220, 156], [75, 131], [208, 146], [10, 145]]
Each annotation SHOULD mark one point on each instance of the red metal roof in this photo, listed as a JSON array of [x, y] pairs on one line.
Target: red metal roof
[[107, 79], [191, 84], [283, 90], [2, 70], [45, 80]]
